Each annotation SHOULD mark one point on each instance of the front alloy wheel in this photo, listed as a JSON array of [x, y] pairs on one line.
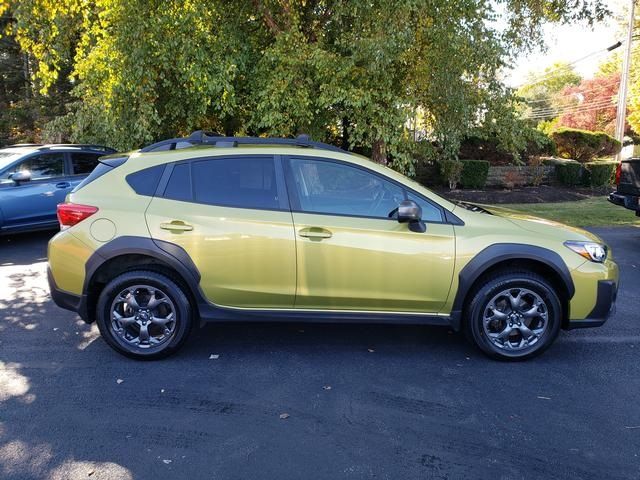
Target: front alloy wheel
[[515, 319], [513, 315]]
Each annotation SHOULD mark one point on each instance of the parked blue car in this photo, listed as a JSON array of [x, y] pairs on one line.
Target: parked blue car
[[35, 178]]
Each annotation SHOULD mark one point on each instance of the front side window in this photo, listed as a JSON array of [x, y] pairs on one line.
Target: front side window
[[338, 189], [43, 166]]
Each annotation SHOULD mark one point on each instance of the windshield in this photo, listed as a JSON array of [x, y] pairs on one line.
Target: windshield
[[7, 158]]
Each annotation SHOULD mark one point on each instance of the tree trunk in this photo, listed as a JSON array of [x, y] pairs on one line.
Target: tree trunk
[[379, 152], [345, 133]]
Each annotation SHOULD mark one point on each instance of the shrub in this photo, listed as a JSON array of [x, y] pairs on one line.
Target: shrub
[[538, 144], [582, 145], [531, 143], [451, 171], [537, 174], [569, 173], [426, 164], [512, 179], [600, 174], [474, 173]]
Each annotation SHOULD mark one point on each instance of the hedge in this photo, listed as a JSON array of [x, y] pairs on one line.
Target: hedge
[[569, 173], [582, 145], [592, 174], [474, 173], [599, 174]]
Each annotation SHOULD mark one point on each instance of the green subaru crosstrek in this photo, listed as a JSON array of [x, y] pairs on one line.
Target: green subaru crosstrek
[[251, 229]]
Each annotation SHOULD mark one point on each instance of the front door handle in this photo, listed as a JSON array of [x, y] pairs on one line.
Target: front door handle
[[63, 185], [315, 232], [176, 226]]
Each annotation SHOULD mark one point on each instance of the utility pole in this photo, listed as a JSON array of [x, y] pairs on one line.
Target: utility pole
[[621, 112]]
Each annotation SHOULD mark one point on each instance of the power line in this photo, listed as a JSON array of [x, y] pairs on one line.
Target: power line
[[578, 109], [635, 50], [573, 108], [566, 66]]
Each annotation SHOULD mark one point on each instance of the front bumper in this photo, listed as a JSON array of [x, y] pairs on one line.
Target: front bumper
[[66, 300], [604, 308]]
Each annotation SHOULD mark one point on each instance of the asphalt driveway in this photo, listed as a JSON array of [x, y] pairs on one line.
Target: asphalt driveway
[[311, 401]]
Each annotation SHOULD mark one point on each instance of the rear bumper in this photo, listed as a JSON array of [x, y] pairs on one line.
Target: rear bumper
[[626, 201], [66, 300], [604, 308]]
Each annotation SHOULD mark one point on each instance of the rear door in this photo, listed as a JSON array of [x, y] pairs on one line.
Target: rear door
[[352, 255], [231, 215], [33, 203]]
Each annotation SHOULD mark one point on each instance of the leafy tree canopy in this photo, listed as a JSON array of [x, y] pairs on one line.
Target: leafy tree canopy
[[349, 71]]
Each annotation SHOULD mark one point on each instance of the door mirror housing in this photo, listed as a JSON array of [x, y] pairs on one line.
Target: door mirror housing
[[410, 212], [21, 176]]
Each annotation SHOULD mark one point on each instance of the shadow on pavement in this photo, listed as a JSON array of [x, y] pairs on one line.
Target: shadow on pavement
[[361, 401]]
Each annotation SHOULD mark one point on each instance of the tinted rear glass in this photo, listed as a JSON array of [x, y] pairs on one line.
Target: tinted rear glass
[[145, 182], [179, 186], [84, 163], [245, 182]]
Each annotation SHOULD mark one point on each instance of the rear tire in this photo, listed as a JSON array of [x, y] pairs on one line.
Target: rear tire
[[513, 315], [144, 315]]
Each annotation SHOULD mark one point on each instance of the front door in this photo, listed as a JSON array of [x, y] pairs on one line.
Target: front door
[[231, 216], [351, 254]]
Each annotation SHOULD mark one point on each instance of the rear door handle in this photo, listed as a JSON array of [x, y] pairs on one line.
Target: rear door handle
[[176, 226], [63, 185], [315, 232]]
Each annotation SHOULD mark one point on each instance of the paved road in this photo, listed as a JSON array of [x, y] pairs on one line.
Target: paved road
[[422, 404]]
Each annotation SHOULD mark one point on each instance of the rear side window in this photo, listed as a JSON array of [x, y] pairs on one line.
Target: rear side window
[[179, 186], [83, 163], [245, 182], [145, 182]]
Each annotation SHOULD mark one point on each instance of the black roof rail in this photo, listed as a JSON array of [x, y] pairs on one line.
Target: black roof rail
[[202, 138]]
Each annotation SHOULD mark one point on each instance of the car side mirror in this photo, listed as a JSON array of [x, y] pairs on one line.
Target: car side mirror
[[21, 176], [410, 212]]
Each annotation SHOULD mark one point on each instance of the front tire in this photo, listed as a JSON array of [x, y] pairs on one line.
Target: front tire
[[514, 316], [144, 315]]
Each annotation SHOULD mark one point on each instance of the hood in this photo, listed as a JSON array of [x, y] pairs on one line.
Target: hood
[[542, 226]]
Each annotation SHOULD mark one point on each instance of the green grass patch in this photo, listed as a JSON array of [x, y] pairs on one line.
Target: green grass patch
[[593, 212]]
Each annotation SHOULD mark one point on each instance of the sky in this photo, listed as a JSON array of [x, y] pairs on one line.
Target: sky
[[571, 42]]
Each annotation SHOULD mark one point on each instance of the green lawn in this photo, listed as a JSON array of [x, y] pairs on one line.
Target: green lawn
[[592, 212]]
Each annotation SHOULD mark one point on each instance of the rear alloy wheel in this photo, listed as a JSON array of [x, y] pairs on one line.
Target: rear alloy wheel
[[514, 316], [144, 315]]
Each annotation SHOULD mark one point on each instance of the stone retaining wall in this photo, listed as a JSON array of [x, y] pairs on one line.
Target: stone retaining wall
[[510, 176]]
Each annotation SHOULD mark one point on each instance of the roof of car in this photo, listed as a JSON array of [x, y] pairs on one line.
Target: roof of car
[[36, 147], [200, 137]]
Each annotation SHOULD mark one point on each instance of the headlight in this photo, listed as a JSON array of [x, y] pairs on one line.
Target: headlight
[[595, 252]]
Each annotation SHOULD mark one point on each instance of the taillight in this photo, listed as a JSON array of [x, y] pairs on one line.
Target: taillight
[[70, 214], [618, 171]]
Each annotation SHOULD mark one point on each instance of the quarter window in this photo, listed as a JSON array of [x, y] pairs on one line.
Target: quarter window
[[338, 189]]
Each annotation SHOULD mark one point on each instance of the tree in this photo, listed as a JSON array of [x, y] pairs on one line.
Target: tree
[[349, 71], [541, 90], [591, 105]]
